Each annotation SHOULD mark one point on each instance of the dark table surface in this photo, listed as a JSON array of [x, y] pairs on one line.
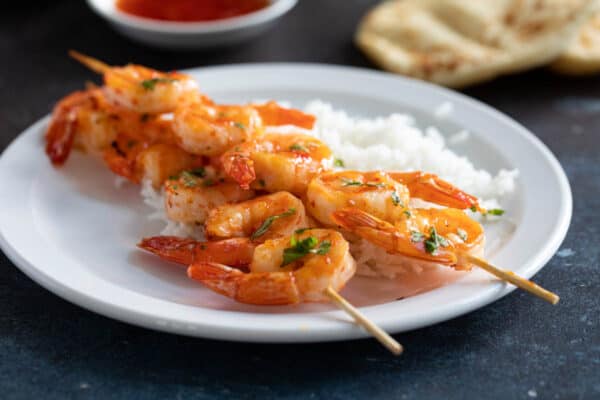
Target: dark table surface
[[518, 347]]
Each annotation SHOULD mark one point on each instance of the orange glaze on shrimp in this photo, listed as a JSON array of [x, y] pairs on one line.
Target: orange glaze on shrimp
[[204, 128], [278, 162], [190, 196], [262, 218]]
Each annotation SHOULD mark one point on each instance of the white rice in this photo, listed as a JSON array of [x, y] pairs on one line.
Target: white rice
[[395, 143]]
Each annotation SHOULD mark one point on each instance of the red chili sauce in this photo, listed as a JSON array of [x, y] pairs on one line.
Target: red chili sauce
[[190, 10]]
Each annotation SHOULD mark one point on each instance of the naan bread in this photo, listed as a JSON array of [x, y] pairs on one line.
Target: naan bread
[[460, 42], [582, 57]]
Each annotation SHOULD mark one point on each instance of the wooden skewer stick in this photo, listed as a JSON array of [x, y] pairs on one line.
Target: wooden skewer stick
[[513, 278], [90, 62], [362, 320]]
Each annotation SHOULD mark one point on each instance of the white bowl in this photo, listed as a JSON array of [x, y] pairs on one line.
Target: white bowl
[[191, 35]]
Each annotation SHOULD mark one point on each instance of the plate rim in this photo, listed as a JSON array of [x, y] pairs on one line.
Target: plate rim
[[494, 292]]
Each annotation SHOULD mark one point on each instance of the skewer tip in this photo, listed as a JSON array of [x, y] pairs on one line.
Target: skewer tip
[[383, 337]]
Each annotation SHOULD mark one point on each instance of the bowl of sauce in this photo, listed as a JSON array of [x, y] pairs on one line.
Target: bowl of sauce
[[191, 24]]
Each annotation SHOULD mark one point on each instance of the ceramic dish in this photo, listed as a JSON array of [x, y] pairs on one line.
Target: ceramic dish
[[74, 232], [191, 35]]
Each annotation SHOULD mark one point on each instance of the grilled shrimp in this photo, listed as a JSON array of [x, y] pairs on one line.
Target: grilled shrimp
[[382, 194], [136, 160], [142, 89], [207, 129], [437, 236], [265, 217], [192, 194], [374, 192], [287, 270], [278, 162]]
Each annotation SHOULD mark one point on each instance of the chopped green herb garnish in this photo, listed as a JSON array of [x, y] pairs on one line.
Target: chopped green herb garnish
[[208, 182], [200, 172], [300, 248], [434, 241], [462, 234], [374, 184], [149, 84], [350, 182], [264, 227], [407, 213], [240, 125], [338, 162], [131, 143], [495, 211], [416, 236], [298, 147], [474, 208], [300, 231], [189, 179], [262, 182], [173, 177], [396, 199]]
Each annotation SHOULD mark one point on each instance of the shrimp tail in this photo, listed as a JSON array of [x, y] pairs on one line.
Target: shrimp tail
[[236, 252], [60, 136], [240, 167], [262, 288], [431, 188], [170, 248], [64, 124], [272, 114], [387, 236]]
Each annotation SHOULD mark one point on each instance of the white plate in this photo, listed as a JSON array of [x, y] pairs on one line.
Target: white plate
[[191, 35], [74, 232]]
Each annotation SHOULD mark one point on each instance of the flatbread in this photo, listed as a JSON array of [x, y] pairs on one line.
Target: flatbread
[[582, 57], [461, 42]]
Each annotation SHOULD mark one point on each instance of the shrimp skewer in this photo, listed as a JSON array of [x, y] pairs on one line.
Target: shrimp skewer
[[385, 195], [455, 250], [287, 270], [142, 89], [309, 276]]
